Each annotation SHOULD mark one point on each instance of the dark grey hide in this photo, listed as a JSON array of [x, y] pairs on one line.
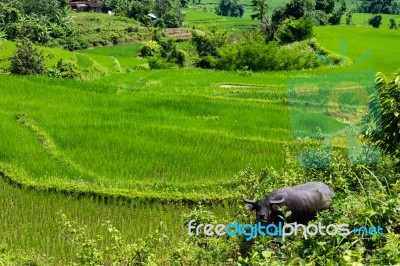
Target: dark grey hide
[[304, 201]]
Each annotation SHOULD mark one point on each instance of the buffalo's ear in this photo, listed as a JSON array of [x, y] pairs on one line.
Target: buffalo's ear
[[249, 207]]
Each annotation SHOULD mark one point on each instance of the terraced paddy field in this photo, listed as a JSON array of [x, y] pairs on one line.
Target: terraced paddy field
[[171, 136]]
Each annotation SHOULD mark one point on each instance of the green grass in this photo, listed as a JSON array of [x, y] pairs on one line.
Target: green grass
[[362, 19], [179, 134], [126, 54], [140, 125], [51, 55], [132, 132], [119, 51], [370, 48], [201, 18], [31, 221], [99, 29]]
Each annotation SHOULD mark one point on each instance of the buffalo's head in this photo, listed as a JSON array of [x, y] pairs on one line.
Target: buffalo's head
[[263, 207]]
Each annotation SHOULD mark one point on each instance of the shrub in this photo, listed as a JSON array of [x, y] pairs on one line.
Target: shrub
[[150, 48], [293, 30], [173, 19], [231, 8], [375, 21], [349, 17], [387, 135], [68, 69], [27, 60], [207, 43], [319, 17], [393, 25], [178, 56], [34, 30], [158, 63]]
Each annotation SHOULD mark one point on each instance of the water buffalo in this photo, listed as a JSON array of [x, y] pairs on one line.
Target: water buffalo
[[304, 201]]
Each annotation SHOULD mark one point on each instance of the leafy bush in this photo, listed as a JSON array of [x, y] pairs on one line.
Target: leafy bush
[[375, 21], [256, 56], [68, 69], [150, 48], [325, 5], [316, 158], [210, 41], [118, 252], [158, 63], [231, 8], [349, 17], [27, 60], [319, 17], [292, 30], [376, 6], [387, 136], [393, 25]]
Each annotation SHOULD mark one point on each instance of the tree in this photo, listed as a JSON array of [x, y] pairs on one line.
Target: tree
[[393, 25], [379, 6], [349, 17], [387, 105], [184, 3], [161, 7], [295, 8], [138, 10], [325, 5], [209, 42], [27, 59], [52, 9], [375, 21], [231, 8], [293, 30], [261, 9], [336, 16]]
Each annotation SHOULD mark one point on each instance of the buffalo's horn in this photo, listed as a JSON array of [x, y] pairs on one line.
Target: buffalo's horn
[[277, 201], [248, 201]]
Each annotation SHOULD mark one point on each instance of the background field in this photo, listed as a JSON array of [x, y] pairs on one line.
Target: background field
[[179, 134]]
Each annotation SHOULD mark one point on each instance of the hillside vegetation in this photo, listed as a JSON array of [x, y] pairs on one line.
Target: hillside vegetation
[[129, 131]]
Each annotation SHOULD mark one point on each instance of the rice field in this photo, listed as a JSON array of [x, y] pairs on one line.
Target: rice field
[[160, 135], [31, 221]]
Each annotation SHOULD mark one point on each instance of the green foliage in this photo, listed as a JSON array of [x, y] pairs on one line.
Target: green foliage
[[163, 53], [117, 252], [349, 16], [375, 21], [325, 5], [150, 48], [376, 7], [363, 197], [255, 55], [387, 137], [184, 3], [68, 69], [40, 21], [292, 30], [208, 42], [27, 60], [138, 10], [231, 8], [172, 19], [261, 9], [393, 25], [336, 15], [158, 63], [34, 30]]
